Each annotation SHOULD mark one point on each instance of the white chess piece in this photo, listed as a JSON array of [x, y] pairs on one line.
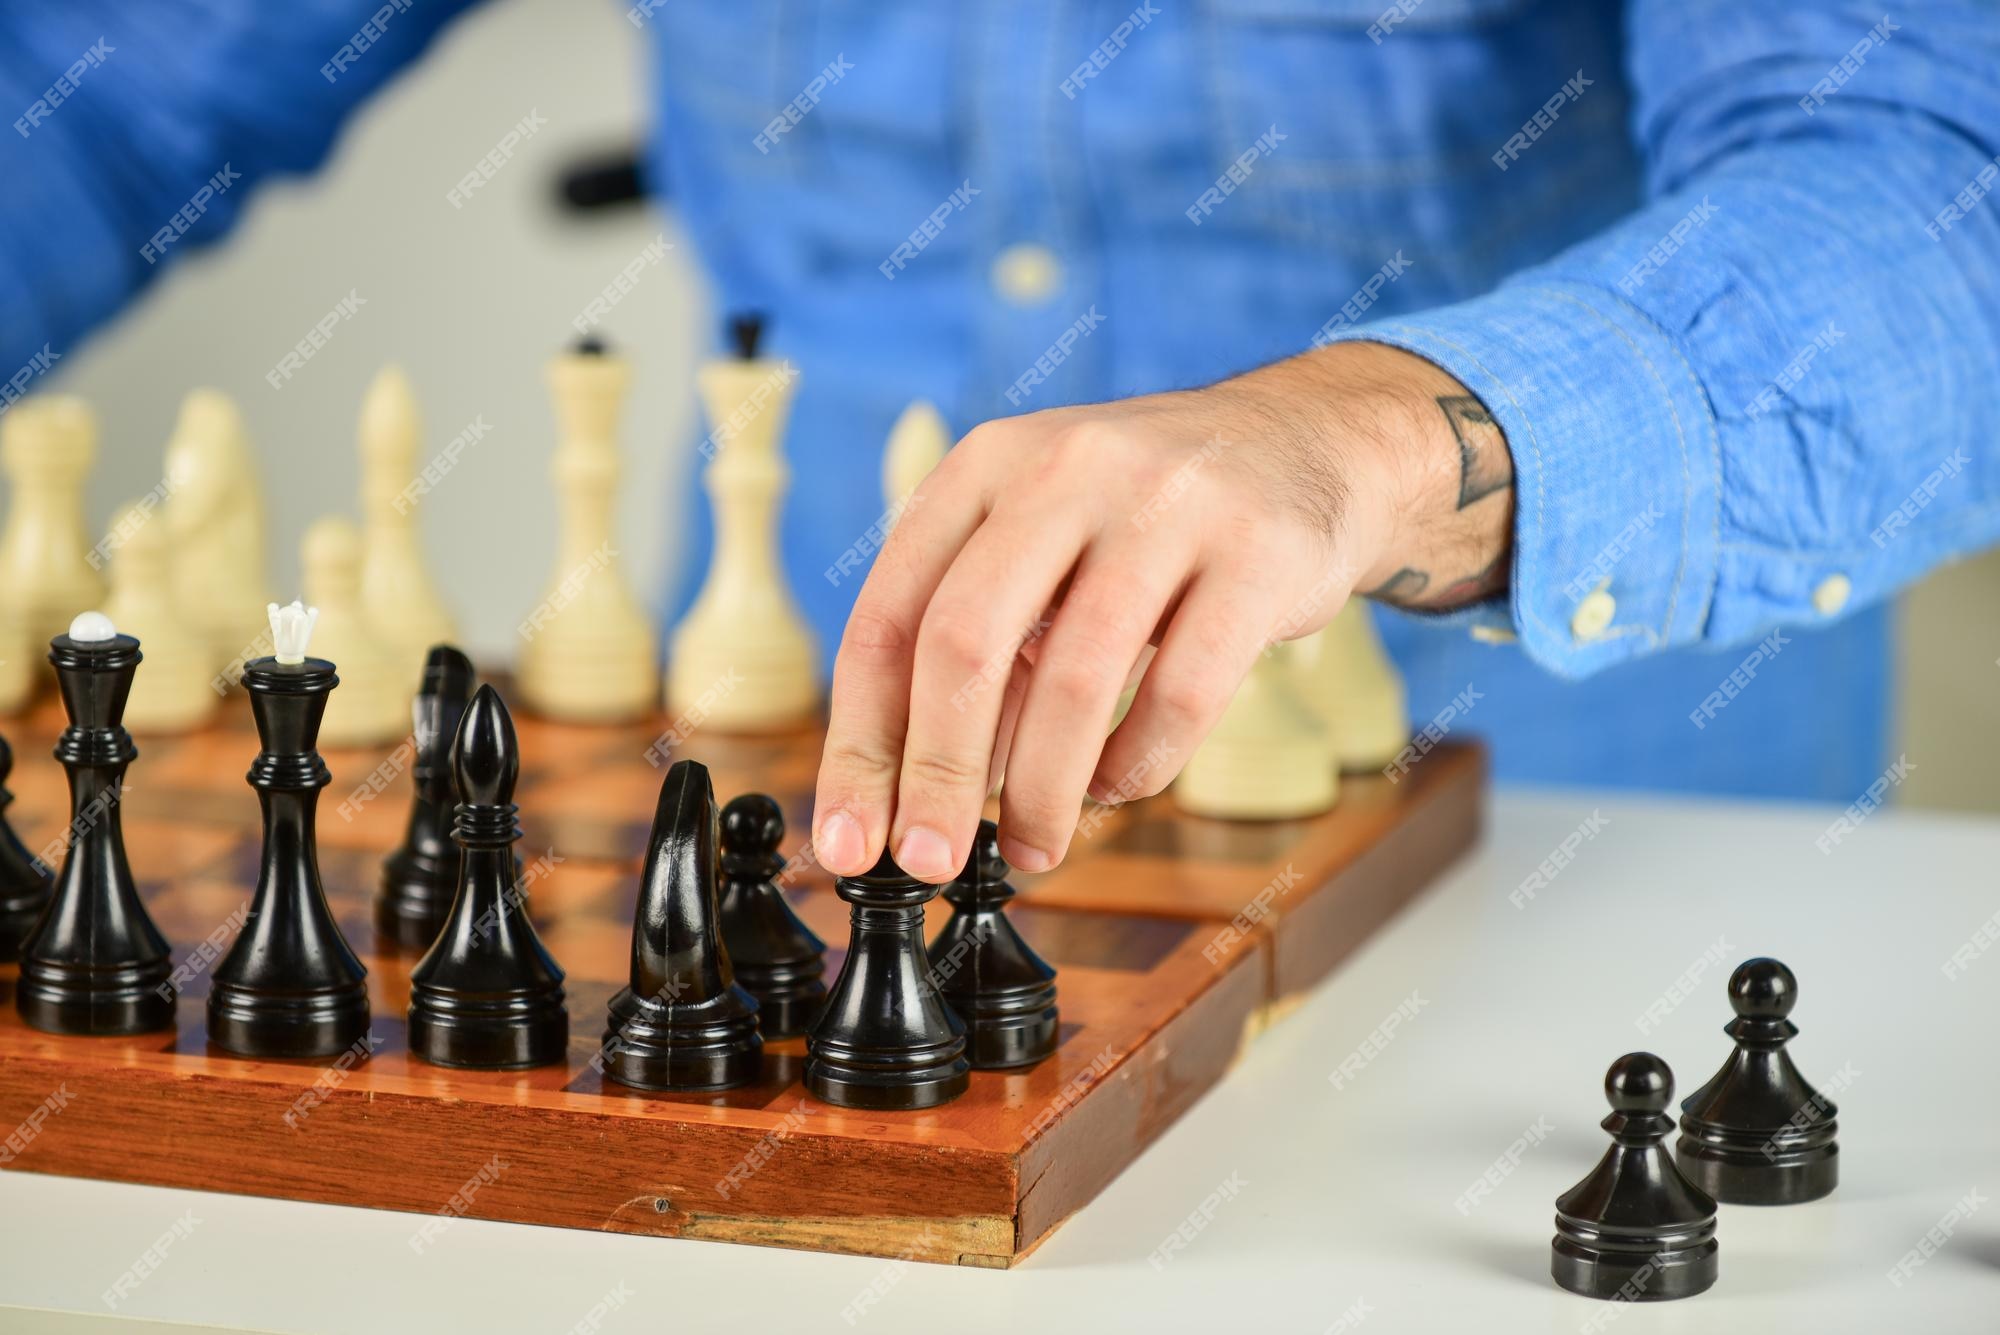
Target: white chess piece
[[591, 654], [1269, 756], [174, 690], [1350, 681], [215, 520], [396, 589], [743, 658], [372, 705], [917, 444], [48, 569]]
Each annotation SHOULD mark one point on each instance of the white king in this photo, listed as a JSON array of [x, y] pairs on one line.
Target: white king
[[291, 630]]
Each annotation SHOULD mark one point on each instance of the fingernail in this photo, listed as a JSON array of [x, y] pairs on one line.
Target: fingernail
[[925, 854], [839, 844], [1024, 857]]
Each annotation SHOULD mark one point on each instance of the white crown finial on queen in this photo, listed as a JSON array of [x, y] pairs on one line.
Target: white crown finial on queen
[[92, 628], [291, 630]]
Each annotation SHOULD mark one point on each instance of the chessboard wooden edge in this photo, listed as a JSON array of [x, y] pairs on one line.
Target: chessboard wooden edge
[[582, 1168]]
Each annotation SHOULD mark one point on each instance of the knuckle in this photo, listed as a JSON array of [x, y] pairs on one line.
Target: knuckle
[[850, 759], [1185, 701], [873, 633], [960, 640], [946, 771]]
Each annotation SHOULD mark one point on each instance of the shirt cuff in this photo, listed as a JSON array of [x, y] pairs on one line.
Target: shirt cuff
[[1617, 465]]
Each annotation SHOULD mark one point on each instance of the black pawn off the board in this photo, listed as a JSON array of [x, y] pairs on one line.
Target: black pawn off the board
[[683, 1024], [487, 994], [421, 876], [95, 963], [998, 985], [1635, 1230], [777, 958], [25, 884], [886, 1039], [1758, 1134], [289, 986]]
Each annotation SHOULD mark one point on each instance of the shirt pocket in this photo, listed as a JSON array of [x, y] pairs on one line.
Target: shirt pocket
[[1389, 119]]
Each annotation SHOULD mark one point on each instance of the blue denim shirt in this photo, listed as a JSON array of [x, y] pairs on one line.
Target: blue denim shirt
[[1728, 276]]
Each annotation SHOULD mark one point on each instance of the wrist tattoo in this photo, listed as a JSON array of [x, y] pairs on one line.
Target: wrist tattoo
[[1484, 465]]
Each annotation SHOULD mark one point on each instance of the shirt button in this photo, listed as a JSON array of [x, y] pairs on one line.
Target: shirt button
[[1593, 615], [1027, 274], [1831, 595]]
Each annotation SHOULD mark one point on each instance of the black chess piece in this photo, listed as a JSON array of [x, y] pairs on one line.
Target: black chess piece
[[487, 994], [684, 1024], [776, 957], [1758, 1134], [25, 884], [95, 963], [420, 877], [746, 334], [998, 985], [886, 1039], [1635, 1230], [289, 986]]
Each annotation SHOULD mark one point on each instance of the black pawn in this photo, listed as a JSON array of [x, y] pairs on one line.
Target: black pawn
[[289, 987], [776, 957], [1635, 1230], [25, 883], [886, 1040], [95, 963], [683, 1024], [487, 994], [1758, 1134], [1000, 987], [420, 877]]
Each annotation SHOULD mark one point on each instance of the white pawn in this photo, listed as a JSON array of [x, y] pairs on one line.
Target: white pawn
[[917, 444], [215, 519], [743, 657], [1354, 687], [174, 691], [1269, 756], [47, 567], [396, 588], [372, 705], [591, 654]]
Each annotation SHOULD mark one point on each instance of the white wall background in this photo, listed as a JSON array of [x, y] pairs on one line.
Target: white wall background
[[473, 301]]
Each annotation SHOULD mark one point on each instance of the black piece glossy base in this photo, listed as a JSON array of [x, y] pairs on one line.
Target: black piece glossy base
[[500, 1034], [1641, 1278], [1736, 1180], [922, 1078], [242, 1020], [648, 1045], [67, 999], [410, 909]]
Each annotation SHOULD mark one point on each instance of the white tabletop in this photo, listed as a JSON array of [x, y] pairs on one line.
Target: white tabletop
[[1324, 1204]]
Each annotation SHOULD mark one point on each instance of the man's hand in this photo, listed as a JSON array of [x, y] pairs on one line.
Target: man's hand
[[1034, 567]]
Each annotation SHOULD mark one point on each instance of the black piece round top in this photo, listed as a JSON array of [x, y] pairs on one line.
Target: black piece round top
[[590, 345], [752, 826], [447, 671], [746, 333], [1763, 989], [485, 758], [1639, 1082], [986, 866]]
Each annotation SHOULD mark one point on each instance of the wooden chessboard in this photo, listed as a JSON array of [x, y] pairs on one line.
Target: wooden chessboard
[[1176, 938]]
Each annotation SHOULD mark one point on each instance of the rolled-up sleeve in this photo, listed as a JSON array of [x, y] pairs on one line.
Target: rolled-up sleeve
[[1767, 397]]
